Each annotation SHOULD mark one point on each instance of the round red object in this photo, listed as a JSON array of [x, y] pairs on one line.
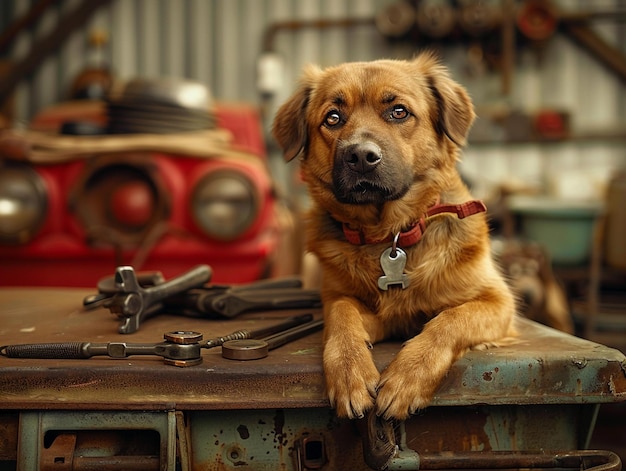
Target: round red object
[[536, 20], [132, 203]]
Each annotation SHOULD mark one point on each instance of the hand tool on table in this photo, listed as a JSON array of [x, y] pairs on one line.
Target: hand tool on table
[[225, 301], [124, 295], [190, 296], [180, 348], [255, 349]]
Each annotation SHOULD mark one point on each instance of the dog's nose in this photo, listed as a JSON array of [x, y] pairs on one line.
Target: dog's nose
[[363, 157]]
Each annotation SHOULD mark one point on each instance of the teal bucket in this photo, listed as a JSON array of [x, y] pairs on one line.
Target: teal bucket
[[565, 228]]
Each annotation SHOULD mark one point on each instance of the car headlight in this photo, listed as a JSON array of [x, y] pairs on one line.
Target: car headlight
[[224, 204], [23, 203]]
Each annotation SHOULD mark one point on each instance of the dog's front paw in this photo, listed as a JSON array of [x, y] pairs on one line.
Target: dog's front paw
[[351, 379], [408, 384], [399, 395]]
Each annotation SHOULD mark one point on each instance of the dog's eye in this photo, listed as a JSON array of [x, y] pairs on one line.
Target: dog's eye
[[333, 118], [399, 112]]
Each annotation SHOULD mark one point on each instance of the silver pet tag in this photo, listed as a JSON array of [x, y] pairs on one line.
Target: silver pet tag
[[393, 266]]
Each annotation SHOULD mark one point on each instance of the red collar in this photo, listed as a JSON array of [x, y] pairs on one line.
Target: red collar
[[413, 235]]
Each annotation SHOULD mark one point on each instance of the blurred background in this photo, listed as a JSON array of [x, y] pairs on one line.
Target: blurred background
[[137, 132], [546, 153]]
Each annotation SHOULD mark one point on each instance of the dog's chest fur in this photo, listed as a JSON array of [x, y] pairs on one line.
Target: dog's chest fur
[[432, 266]]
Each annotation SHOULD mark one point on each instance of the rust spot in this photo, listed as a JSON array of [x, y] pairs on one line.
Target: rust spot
[[487, 375], [243, 431], [431, 431], [279, 423]]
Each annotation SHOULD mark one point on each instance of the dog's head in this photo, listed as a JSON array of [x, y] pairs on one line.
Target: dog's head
[[373, 132]]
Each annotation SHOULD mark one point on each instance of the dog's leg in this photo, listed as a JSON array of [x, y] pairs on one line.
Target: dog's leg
[[350, 329], [410, 381]]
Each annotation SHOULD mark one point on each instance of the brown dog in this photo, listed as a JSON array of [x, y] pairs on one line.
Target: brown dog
[[403, 250]]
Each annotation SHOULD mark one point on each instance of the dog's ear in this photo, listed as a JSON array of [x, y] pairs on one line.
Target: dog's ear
[[454, 112], [290, 125]]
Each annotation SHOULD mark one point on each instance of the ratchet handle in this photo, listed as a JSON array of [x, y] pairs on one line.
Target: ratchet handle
[[60, 351], [83, 350]]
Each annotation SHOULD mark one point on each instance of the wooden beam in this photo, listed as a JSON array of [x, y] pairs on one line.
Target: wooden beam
[[47, 44], [24, 22], [604, 52]]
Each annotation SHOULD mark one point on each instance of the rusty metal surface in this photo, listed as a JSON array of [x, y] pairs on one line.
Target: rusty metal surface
[[9, 425], [503, 427], [101, 440], [69, 451], [544, 367]]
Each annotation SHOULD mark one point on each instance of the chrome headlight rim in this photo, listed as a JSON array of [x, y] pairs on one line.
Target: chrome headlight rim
[[33, 196], [201, 197]]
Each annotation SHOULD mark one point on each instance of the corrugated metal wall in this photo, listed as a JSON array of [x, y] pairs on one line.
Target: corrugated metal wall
[[219, 43], [215, 41]]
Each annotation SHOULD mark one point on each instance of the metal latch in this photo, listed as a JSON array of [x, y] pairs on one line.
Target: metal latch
[[310, 453]]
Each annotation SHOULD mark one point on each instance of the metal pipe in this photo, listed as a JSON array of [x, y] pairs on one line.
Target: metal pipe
[[590, 460], [275, 28]]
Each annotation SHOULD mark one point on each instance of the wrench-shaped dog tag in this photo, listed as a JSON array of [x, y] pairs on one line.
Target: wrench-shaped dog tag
[[393, 268]]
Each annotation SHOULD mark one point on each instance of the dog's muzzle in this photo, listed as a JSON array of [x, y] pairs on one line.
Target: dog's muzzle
[[363, 175]]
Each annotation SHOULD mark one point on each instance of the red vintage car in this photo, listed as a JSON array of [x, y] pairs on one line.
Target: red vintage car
[[74, 207]]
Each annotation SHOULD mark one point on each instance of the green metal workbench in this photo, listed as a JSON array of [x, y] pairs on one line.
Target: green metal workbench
[[532, 404]]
